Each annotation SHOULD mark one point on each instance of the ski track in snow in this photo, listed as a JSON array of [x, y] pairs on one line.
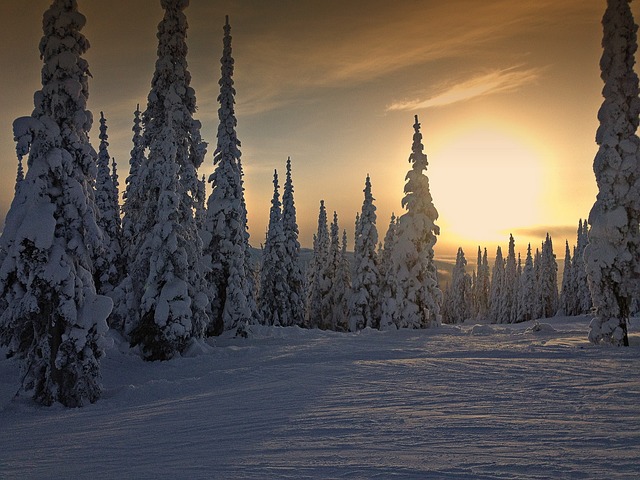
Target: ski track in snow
[[450, 403]]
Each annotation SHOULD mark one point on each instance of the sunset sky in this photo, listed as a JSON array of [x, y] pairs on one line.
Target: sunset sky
[[507, 93]]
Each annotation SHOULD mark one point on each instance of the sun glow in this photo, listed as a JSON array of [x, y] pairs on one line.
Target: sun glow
[[485, 183]]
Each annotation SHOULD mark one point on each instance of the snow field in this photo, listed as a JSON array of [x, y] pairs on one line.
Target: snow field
[[485, 402]]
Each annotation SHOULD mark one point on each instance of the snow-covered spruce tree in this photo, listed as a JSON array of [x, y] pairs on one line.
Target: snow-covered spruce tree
[[364, 309], [19, 174], [497, 288], [252, 270], [318, 283], [567, 302], [537, 269], [108, 261], [460, 290], [294, 275], [509, 298], [418, 296], [201, 205], [54, 320], [224, 236], [333, 304], [388, 310], [134, 192], [548, 279], [483, 279], [341, 289], [583, 300], [612, 255], [274, 290], [167, 281], [528, 290]]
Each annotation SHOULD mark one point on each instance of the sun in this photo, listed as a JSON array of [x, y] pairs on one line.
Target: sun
[[485, 183]]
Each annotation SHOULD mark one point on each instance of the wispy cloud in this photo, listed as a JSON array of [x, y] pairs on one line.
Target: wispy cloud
[[497, 81]]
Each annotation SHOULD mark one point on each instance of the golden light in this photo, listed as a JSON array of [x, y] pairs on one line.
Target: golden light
[[485, 183]]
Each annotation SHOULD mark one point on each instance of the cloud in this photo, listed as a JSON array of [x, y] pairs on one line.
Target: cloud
[[505, 80], [559, 233]]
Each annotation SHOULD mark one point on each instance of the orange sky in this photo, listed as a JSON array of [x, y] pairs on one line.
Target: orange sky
[[507, 93]]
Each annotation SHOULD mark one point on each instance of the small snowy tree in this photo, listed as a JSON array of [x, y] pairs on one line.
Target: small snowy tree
[[318, 283], [614, 239], [509, 295], [388, 288], [460, 291], [548, 283], [528, 290], [225, 232], [497, 284], [54, 320], [332, 300], [418, 296], [341, 290], [294, 276], [364, 307], [274, 290], [567, 303], [583, 300]]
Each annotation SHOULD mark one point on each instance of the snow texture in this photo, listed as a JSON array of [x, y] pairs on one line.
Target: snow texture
[[293, 403]]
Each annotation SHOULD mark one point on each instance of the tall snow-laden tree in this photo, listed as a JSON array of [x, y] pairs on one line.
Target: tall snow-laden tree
[[53, 319], [294, 275], [612, 255], [167, 281], [460, 290], [108, 262], [418, 296], [318, 283], [509, 298], [548, 284], [274, 290], [388, 310], [497, 288], [201, 204], [225, 230], [364, 309]]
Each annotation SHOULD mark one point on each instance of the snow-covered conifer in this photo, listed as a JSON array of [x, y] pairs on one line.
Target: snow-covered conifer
[[54, 320], [583, 295], [108, 261], [332, 299], [200, 205], [364, 309], [528, 290], [418, 296], [134, 193], [567, 302], [497, 288], [274, 290], [509, 309], [460, 291], [341, 289], [612, 255], [167, 274], [548, 284], [318, 283], [388, 310], [294, 275], [225, 232], [19, 174]]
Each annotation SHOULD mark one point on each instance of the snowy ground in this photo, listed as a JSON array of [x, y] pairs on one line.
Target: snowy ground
[[483, 402]]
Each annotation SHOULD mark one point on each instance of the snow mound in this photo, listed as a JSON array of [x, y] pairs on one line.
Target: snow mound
[[540, 328]]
